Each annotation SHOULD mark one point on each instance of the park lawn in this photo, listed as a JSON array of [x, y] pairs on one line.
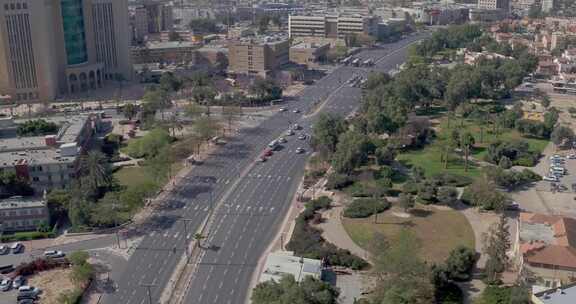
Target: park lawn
[[438, 230], [133, 176], [429, 158]]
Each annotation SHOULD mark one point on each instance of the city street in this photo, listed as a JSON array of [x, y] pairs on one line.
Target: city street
[[252, 199]]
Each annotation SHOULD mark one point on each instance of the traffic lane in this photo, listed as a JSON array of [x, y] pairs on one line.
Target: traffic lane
[[255, 227]]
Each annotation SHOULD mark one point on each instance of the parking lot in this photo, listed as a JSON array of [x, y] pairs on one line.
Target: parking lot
[[546, 198]]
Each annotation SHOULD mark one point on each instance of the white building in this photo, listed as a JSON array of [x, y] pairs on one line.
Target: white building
[[283, 263]]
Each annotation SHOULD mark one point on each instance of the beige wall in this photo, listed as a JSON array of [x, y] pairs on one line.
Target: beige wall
[[257, 58]]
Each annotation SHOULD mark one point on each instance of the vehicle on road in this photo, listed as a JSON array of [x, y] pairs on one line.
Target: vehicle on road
[[26, 301], [302, 137], [299, 150], [513, 206], [5, 285], [296, 127], [282, 140], [295, 111], [18, 281], [17, 248], [268, 152], [290, 132], [54, 254], [551, 178], [28, 297], [273, 144], [356, 62], [4, 250], [282, 109]]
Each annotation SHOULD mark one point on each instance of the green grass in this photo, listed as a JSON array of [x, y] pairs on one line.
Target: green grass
[[133, 176], [439, 231], [429, 158]]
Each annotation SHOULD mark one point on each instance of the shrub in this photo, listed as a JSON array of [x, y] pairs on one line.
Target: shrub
[[449, 179], [26, 236], [361, 208], [338, 181], [410, 187], [447, 195], [459, 263], [322, 202], [36, 128]]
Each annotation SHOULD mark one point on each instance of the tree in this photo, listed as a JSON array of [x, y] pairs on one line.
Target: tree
[[466, 143], [81, 274], [325, 134], [351, 151], [36, 128], [170, 82], [447, 195], [288, 290], [206, 127], [192, 111], [481, 193], [562, 136], [148, 145], [459, 263], [545, 101], [496, 245], [129, 110], [505, 163], [406, 201], [385, 155], [94, 171], [265, 89]]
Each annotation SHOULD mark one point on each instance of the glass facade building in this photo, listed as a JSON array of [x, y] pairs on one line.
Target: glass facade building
[[74, 31]]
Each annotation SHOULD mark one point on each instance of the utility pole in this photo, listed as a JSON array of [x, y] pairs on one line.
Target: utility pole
[[148, 286]]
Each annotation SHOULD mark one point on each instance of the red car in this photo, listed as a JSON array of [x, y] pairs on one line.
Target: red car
[[268, 152]]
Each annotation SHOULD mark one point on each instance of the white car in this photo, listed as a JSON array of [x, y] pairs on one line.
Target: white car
[[5, 285], [299, 150], [4, 250], [296, 127], [571, 156], [282, 109], [289, 132], [16, 248], [282, 140], [302, 137], [28, 289], [550, 178], [54, 254], [295, 111]]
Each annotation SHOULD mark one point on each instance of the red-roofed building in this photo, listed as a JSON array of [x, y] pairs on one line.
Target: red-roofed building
[[546, 246]]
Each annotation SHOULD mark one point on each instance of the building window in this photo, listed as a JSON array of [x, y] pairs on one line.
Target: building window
[[12, 6], [25, 5], [6, 7], [40, 168], [35, 178]]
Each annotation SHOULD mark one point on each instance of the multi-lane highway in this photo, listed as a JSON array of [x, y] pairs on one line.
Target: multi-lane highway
[[252, 199]]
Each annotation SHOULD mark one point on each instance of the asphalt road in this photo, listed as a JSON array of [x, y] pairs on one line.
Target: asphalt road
[[257, 198]]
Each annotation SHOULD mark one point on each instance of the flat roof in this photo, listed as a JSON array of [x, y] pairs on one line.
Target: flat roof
[[16, 202], [170, 45], [310, 45], [283, 263], [565, 295]]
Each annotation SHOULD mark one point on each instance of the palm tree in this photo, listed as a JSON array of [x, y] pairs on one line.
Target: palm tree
[[94, 171], [466, 142]]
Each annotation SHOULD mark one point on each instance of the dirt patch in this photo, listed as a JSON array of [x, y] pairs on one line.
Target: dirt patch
[[52, 283]]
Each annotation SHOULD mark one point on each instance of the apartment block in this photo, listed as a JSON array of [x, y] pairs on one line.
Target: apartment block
[[52, 48], [331, 25], [503, 5], [21, 214], [258, 56], [152, 17]]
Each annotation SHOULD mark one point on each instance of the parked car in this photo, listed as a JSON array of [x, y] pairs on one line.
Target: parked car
[[282, 140], [26, 301], [296, 127], [5, 285], [17, 248], [18, 281], [54, 254], [27, 289], [282, 109], [299, 150], [295, 111], [302, 137], [4, 250], [513, 206], [571, 156]]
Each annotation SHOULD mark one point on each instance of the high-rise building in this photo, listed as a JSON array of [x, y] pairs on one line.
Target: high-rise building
[[152, 17], [503, 5], [53, 48]]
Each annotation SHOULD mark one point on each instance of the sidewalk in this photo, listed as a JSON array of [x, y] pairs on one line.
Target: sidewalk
[[333, 231]]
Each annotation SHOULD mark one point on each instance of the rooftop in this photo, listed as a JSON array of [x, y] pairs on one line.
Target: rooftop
[[309, 45], [21, 202], [283, 263], [170, 45], [564, 295], [548, 239]]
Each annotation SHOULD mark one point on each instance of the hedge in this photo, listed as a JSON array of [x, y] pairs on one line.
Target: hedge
[[26, 236], [365, 207]]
